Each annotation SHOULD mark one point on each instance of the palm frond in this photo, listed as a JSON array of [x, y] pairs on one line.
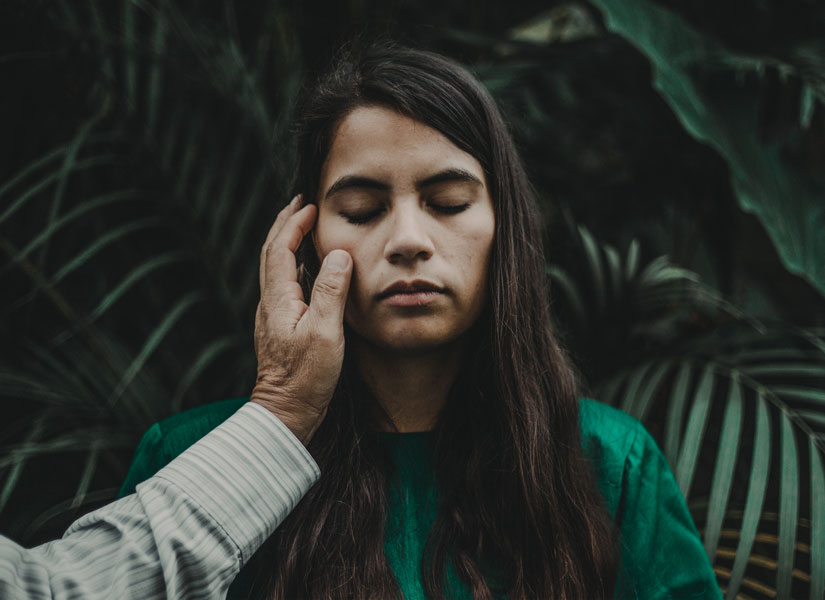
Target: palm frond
[[716, 407]]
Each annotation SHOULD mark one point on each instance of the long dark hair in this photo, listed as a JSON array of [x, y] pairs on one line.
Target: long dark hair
[[517, 491]]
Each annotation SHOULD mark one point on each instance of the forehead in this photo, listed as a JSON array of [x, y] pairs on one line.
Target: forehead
[[380, 142]]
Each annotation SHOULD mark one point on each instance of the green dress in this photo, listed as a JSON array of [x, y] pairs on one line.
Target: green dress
[[662, 555]]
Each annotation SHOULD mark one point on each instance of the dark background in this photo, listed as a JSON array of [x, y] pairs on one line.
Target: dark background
[[679, 154]]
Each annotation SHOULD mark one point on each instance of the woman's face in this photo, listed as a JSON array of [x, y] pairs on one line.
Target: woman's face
[[409, 207]]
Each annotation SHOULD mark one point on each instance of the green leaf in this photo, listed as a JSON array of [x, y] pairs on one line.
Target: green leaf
[[246, 218], [66, 169], [635, 382], [19, 461], [35, 165], [153, 90], [107, 65], [660, 271], [594, 262], [725, 463], [632, 261], [640, 406], [743, 357], [788, 202], [133, 277], [202, 361], [204, 188], [817, 522], [695, 431], [89, 468], [100, 243], [575, 300], [74, 441], [816, 417], [171, 133], [787, 370], [675, 412], [807, 104], [192, 143], [757, 486], [33, 190], [226, 199], [79, 211], [614, 264], [130, 54], [796, 392], [153, 341], [788, 507]]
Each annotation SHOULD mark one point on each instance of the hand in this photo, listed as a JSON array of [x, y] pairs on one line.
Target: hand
[[300, 347]]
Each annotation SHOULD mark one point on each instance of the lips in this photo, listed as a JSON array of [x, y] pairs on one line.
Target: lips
[[410, 287]]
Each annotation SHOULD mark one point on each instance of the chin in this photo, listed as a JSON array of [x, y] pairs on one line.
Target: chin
[[413, 340], [412, 345]]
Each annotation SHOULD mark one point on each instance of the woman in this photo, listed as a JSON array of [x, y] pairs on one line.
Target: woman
[[457, 459]]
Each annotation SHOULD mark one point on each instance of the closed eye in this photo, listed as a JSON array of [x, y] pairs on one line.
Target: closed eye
[[450, 209], [363, 218]]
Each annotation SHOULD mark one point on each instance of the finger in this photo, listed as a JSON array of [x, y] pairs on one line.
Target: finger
[[276, 227], [296, 227], [329, 294], [281, 286], [283, 296], [289, 210], [290, 236], [280, 270]]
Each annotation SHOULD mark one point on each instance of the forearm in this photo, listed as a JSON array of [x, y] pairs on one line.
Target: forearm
[[186, 532]]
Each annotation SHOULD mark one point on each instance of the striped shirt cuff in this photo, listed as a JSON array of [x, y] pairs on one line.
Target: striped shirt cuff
[[248, 475]]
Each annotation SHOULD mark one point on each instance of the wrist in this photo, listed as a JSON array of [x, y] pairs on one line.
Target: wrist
[[301, 425]]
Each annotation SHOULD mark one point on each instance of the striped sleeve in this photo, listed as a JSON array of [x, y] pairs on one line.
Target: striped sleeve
[[186, 532]]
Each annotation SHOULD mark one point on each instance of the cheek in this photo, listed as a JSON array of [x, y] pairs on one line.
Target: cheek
[[328, 235], [478, 249], [478, 271]]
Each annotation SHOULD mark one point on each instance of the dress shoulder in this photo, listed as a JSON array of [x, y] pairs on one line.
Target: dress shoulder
[[607, 436], [662, 552]]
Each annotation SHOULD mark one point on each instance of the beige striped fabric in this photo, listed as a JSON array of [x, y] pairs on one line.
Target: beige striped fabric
[[186, 532]]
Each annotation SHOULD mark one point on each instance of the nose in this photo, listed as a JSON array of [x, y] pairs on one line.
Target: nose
[[408, 237]]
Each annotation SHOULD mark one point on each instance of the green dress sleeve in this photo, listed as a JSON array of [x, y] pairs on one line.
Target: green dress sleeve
[[662, 552]]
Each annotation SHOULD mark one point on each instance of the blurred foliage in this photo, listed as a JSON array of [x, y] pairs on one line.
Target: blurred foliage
[[694, 75], [678, 150]]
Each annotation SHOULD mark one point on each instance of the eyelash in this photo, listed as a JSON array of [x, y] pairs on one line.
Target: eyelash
[[365, 218]]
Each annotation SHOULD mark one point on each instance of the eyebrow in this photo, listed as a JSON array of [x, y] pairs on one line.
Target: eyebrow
[[360, 181]]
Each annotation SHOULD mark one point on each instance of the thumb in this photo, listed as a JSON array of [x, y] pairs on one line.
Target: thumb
[[329, 294]]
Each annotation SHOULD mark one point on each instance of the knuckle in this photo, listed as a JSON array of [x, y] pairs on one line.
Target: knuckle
[[328, 287], [273, 252]]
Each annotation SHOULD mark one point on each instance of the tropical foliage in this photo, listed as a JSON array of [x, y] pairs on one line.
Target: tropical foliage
[[679, 160]]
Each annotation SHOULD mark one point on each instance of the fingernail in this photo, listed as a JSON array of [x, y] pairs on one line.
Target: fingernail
[[337, 260], [295, 201]]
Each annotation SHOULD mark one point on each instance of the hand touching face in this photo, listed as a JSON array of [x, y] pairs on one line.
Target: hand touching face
[[415, 214]]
